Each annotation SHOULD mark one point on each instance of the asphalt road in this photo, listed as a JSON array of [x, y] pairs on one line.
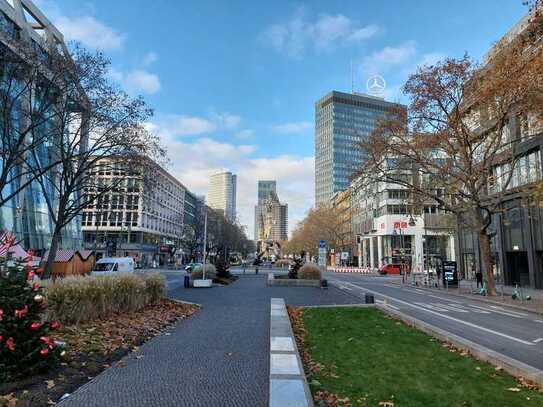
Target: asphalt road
[[516, 334]]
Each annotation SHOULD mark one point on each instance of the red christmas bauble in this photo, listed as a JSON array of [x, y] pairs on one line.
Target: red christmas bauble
[[35, 326], [44, 352], [10, 344], [1, 338], [35, 287], [1, 314], [30, 276], [54, 325]]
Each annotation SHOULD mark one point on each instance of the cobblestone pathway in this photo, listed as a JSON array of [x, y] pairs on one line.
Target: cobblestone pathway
[[219, 357]]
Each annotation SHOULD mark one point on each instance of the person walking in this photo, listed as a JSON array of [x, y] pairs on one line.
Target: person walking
[[479, 278]]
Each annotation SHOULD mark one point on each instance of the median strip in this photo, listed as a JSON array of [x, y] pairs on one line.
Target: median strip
[[288, 385]]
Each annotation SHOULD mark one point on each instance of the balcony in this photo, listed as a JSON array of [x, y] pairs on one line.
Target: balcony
[[439, 221]]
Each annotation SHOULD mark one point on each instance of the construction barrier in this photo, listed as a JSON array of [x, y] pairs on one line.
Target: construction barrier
[[360, 270]]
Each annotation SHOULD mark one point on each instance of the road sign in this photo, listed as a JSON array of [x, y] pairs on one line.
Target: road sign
[[322, 244], [344, 255]]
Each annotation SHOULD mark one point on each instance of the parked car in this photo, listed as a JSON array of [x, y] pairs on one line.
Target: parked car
[[108, 265], [189, 268], [389, 269]]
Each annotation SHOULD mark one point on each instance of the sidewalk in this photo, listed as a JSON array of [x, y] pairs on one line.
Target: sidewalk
[[218, 357]]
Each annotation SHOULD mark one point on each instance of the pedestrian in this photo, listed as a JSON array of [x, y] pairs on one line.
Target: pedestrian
[[479, 278]]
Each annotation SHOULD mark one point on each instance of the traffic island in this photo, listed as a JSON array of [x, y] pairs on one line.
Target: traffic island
[[291, 282], [362, 356]]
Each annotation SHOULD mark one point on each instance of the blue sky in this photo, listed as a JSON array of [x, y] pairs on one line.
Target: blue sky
[[233, 83]]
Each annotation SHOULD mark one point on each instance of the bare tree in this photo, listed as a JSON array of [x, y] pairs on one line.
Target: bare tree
[[456, 145], [98, 127], [30, 88]]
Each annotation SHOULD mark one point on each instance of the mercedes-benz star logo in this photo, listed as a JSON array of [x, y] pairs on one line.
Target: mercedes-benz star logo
[[376, 85]]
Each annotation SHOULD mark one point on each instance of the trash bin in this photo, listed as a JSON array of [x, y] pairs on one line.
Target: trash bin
[[324, 283], [187, 281], [370, 299]]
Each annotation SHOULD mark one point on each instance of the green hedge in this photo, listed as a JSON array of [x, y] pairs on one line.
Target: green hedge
[[83, 298]]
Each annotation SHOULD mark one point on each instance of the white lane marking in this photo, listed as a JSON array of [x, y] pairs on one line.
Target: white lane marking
[[446, 316], [538, 340], [538, 320], [514, 315], [420, 291], [452, 308], [444, 299], [432, 306], [520, 314]]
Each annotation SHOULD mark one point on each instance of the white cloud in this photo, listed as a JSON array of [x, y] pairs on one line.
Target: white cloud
[[245, 134], [140, 81], [293, 128], [383, 60], [327, 31], [137, 81], [175, 125], [192, 162], [150, 58], [90, 32]]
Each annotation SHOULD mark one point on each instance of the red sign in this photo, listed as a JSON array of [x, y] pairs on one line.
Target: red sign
[[400, 225]]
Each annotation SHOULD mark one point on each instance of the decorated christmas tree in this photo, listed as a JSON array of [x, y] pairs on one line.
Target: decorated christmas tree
[[25, 345]]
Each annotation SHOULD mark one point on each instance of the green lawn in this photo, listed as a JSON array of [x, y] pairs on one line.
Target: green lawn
[[370, 358]]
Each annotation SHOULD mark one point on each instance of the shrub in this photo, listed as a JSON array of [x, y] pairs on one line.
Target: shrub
[[310, 271], [211, 272], [283, 263], [79, 298], [222, 269], [25, 345]]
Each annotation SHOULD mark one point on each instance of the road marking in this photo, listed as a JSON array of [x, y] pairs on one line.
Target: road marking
[[452, 308], [514, 315], [444, 299], [447, 316], [538, 340], [538, 320], [520, 314], [420, 291], [432, 306]]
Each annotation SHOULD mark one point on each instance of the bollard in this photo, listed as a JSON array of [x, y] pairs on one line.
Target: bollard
[[186, 282], [256, 270], [324, 283], [370, 299]]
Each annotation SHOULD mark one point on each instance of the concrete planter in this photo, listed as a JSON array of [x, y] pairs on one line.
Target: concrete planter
[[200, 283], [287, 282]]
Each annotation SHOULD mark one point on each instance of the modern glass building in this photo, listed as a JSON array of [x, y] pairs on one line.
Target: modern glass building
[[222, 193], [26, 215], [342, 120], [266, 189]]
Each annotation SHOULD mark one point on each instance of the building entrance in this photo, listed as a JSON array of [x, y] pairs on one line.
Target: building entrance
[[517, 267]]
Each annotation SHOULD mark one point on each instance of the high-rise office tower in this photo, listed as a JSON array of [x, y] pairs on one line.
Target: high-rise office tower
[[342, 120], [266, 189], [222, 193], [271, 216]]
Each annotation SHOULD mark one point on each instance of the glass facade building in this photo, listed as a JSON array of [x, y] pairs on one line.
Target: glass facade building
[[342, 120], [26, 215]]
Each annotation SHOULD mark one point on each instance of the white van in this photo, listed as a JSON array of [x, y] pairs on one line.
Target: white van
[[108, 265]]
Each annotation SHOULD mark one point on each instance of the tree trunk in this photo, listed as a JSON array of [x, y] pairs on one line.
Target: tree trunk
[[48, 269], [486, 261]]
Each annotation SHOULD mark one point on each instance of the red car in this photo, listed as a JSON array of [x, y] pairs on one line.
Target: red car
[[390, 269]]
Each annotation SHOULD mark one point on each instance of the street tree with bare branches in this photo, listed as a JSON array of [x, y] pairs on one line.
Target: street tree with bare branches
[[456, 145]]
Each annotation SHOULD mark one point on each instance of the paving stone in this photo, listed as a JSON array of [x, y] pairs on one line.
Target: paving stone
[[281, 344], [287, 393], [281, 363], [219, 357]]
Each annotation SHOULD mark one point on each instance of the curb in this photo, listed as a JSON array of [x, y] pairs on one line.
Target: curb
[[288, 384], [510, 365], [476, 298], [185, 302]]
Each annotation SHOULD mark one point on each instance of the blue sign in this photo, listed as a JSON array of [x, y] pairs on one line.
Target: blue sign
[[322, 244]]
